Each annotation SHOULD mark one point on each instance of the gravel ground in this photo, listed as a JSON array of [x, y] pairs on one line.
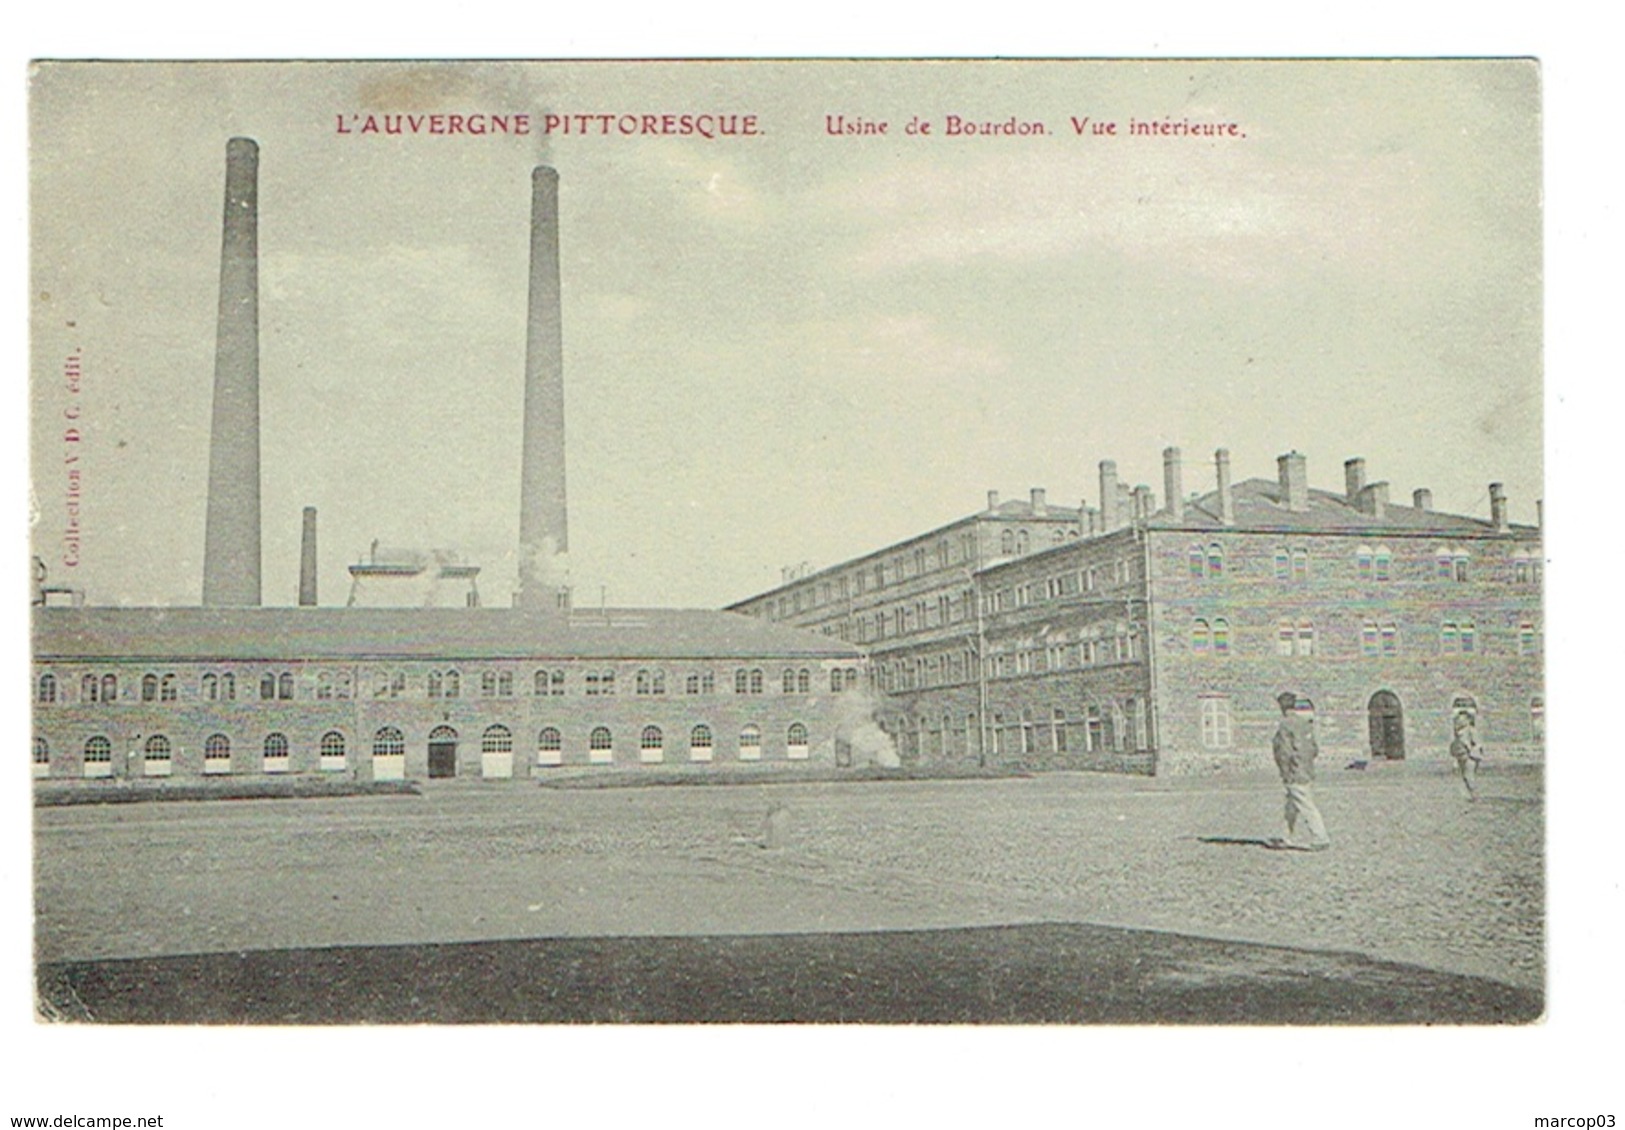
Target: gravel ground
[[1417, 875]]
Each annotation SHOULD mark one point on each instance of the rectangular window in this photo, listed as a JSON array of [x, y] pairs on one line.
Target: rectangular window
[[1215, 722]]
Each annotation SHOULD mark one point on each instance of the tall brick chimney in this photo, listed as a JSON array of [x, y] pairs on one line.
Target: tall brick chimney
[[1109, 510], [1374, 499], [1221, 469], [1498, 507], [1173, 486], [231, 532], [1293, 470], [1039, 507], [307, 560], [1353, 478], [543, 537]]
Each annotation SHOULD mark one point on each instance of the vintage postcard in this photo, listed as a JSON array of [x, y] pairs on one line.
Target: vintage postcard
[[825, 542]]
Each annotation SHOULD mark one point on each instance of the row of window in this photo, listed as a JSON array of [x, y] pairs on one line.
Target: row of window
[[1005, 661], [1377, 638], [1112, 726], [389, 741], [279, 686], [1217, 730], [1371, 563]]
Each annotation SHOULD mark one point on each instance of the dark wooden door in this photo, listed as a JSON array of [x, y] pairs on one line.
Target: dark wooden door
[[442, 759], [1387, 726]]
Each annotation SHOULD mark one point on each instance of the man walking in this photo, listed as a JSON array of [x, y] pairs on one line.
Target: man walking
[[1465, 749], [1295, 753]]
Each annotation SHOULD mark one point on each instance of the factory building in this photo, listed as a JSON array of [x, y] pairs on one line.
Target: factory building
[[426, 683], [1141, 639]]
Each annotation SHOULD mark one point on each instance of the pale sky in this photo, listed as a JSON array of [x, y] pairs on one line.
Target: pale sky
[[782, 348]]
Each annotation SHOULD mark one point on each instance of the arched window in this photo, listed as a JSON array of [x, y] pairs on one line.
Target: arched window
[[1300, 564], [1201, 636], [284, 686], [276, 746], [388, 742], [1447, 636], [1021, 541], [166, 689], [1283, 564], [228, 687], [211, 686], [700, 743], [47, 687], [332, 750], [803, 681], [789, 681], [651, 744], [504, 684], [1363, 562], [1306, 637], [89, 689], [1007, 541], [835, 679], [1215, 560], [488, 684], [550, 740], [756, 680], [1221, 637], [324, 685], [1537, 720], [217, 754], [600, 745], [741, 681], [496, 739], [1528, 643], [109, 688], [1197, 565], [1285, 633], [750, 743], [1382, 563], [433, 685], [268, 686], [795, 739], [1469, 638], [149, 688], [98, 757], [157, 748], [539, 684], [42, 757]]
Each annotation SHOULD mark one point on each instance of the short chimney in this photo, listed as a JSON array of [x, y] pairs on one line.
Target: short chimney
[[1498, 507], [1173, 486], [1221, 468], [307, 560], [1422, 498], [1353, 478], [1108, 496], [1294, 476], [1091, 520], [992, 500], [1144, 503], [1040, 508], [1374, 499]]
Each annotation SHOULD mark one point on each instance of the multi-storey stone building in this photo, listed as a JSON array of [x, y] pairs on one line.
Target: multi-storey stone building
[[1156, 640], [376, 694]]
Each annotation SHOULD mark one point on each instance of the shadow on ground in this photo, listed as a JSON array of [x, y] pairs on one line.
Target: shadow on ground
[[1049, 973]]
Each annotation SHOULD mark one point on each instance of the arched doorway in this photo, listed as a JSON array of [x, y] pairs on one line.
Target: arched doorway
[[1387, 726], [442, 752]]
